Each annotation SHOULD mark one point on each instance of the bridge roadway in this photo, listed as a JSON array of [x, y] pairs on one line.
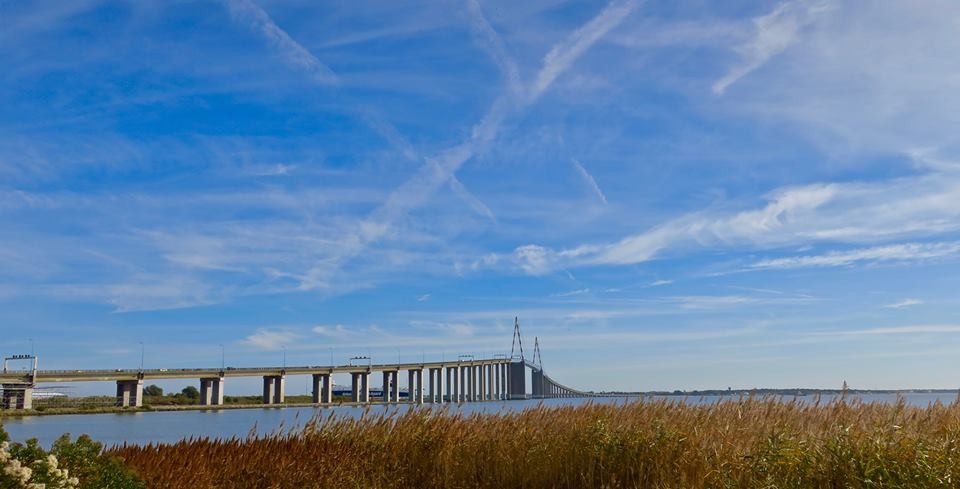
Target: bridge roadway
[[491, 379], [193, 373]]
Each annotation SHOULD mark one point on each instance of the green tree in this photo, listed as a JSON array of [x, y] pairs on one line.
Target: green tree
[[190, 392], [152, 390]]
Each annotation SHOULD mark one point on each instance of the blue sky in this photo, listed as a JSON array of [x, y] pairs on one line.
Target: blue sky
[[668, 194]]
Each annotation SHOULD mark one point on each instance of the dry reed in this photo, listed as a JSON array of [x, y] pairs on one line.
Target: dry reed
[[656, 444]]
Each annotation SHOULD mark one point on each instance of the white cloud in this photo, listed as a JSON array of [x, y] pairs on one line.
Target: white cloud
[[855, 213], [589, 180], [423, 298], [773, 33], [904, 303], [868, 78], [658, 283], [335, 331], [897, 330], [534, 259], [898, 252], [271, 339]]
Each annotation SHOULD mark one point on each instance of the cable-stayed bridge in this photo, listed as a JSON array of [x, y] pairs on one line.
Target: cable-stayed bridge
[[499, 378]]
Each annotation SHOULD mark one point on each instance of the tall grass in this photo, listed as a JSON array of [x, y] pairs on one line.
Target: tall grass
[[739, 443]]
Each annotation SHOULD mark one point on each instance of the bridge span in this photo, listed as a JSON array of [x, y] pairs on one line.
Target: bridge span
[[474, 380]]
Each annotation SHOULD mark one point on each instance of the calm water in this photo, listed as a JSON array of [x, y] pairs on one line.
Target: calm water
[[172, 426]]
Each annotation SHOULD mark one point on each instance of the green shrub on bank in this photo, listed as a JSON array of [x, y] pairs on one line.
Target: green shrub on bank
[[79, 464]]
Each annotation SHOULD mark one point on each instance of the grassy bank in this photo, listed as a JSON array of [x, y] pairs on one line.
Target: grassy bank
[[751, 443]]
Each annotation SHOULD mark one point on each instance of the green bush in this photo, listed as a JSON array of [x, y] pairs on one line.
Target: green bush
[[80, 464]]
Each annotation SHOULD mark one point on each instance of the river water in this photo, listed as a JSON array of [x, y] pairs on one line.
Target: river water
[[173, 426]]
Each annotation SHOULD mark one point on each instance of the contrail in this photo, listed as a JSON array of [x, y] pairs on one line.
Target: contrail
[[257, 19], [587, 177]]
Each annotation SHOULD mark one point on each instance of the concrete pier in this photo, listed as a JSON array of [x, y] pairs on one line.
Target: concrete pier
[[452, 382], [482, 382], [415, 386], [473, 383], [17, 396], [517, 380], [274, 389], [211, 391], [130, 393], [322, 389], [491, 383], [536, 381], [464, 391], [505, 378], [360, 387], [391, 386], [435, 379]]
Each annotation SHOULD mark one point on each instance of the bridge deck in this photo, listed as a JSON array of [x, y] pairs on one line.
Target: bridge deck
[[194, 373]]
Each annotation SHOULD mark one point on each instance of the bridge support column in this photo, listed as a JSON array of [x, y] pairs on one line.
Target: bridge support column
[[506, 381], [17, 396], [322, 389], [274, 389], [536, 379], [452, 382], [211, 391], [464, 390], [389, 385], [360, 387], [415, 386], [130, 393], [491, 383], [497, 386], [436, 385], [517, 380], [481, 382], [474, 384]]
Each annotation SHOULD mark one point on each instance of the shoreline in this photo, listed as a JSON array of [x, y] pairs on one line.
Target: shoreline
[[21, 413], [345, 403]]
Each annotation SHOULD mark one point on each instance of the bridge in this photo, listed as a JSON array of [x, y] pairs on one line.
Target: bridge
[[499, 378]]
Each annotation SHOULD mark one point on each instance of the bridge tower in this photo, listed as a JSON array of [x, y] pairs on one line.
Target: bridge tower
[[517, 370], [536, 377]]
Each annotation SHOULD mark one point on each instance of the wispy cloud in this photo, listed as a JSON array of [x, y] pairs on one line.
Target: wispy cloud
[[488, 38], [773, 33], [439, 168], [898, 252], [589, 180], [268, 339], [897, 330], [909, 207], [572, 293], [334, 331], [249, 13], [564, 54], [423, 298], [904, 303]]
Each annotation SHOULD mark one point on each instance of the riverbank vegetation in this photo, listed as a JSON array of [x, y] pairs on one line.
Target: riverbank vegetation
[[79, 464], [736, 443]]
